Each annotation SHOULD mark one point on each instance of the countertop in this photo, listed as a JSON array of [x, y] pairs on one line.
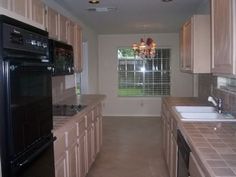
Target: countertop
[[212, 143], [60, 122]]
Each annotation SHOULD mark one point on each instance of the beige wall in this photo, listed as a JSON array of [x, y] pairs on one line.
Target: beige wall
[[181, 83]]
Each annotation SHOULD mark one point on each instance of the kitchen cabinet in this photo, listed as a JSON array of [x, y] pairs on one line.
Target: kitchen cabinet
[[37, 11], [90, 138], [52, 23], [78, 49], [60, 156], [71, 27], [223, 36], [195, 45], [20, 7], [63, 28], [169, 143], [5, 4], [194, 168], [75, 148]]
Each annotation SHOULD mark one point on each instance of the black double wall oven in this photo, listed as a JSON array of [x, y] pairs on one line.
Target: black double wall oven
[[26, 141]]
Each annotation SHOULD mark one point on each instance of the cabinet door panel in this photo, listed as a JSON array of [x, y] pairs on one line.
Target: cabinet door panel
[[61, 167], [5, 4], [78, 49], [222, 36], [63, 26], [73, 160], [82, 156], [52, 23], [20, 7], [37, 11]]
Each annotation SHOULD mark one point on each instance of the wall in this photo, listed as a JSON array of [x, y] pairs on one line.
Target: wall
[[208, 86], [89, 36], [181, 83]]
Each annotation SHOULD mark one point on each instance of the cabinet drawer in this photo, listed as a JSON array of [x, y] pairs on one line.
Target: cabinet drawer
[[71, 135], [81, 127], [59, 146]]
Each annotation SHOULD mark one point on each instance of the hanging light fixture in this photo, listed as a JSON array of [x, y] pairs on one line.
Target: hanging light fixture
[[145, 49]]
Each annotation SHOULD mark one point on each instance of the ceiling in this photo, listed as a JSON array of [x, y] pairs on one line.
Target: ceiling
[[134, 16]]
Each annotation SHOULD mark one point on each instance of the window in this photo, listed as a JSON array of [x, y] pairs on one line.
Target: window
[[143, 77]]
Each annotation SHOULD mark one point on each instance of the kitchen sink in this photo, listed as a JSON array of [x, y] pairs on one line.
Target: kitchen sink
[[195, 109], [206, 116]]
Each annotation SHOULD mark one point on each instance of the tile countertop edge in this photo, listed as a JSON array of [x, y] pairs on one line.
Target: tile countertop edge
[[177, 101], [60, 123]]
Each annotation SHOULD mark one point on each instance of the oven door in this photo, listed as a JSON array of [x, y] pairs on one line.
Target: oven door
[[29, 98], [40, 163], [182, 168]]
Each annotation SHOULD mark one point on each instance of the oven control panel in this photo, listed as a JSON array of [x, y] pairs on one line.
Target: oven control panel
[[24, 40]]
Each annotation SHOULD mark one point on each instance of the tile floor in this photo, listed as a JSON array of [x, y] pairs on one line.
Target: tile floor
[[131, 148]]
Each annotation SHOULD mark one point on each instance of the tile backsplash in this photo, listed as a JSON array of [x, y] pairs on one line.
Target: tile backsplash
[[61, 89], [207, 85]]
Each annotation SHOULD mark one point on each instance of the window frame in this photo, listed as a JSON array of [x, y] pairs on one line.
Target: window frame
[[154, 82]]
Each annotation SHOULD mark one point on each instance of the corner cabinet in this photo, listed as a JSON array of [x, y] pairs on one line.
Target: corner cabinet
[[223, 36], [78, 143], [195, 45]]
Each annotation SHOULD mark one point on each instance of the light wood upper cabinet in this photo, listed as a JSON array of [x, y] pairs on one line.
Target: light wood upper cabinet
[[195, 45], [63, 28], [78, 49], [20, 7], [52, 23], [223, 36], [6, 4], [71, 33], [37, 11]]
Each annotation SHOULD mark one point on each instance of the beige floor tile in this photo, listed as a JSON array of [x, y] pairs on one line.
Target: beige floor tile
[[131, 148]]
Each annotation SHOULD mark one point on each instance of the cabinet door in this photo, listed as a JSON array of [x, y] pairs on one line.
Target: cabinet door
[[89, 148], [37, 11], [186, 46], [61, 166], [100, 131], [174, 156], [82, 160], [20, 7], [97, 135], [72, 34], [5, 4], [63, 27], [52, 23], [73, 160], [222, 36], [78, 49]]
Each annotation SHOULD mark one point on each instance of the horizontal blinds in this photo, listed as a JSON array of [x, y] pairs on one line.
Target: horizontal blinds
[[145, 77]]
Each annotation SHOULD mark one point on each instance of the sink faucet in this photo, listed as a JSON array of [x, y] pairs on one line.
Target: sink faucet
[[217, 102]]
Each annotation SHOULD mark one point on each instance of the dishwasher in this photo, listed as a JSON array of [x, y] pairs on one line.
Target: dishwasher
[[183, 156]]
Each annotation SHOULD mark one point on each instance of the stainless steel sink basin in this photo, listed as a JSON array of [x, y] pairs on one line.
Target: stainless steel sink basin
[[207, 116], [195, 109]]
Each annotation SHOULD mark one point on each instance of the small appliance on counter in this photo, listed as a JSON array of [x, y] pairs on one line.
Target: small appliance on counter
[[67, 110], [62, 57], [26, 139]]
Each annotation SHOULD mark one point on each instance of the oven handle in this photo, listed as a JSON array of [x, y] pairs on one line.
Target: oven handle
[[36, 153]]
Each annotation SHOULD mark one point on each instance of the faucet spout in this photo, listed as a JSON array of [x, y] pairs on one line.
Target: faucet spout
[[217, 102]]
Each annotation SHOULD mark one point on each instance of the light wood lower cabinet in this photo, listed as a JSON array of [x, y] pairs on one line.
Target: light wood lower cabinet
[[169, 143], [76, 146]]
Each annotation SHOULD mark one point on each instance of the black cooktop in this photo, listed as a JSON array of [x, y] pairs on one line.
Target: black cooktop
[[67, 110]]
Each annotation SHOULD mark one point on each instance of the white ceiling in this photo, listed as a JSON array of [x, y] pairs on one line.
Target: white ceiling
[[134, 16]]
